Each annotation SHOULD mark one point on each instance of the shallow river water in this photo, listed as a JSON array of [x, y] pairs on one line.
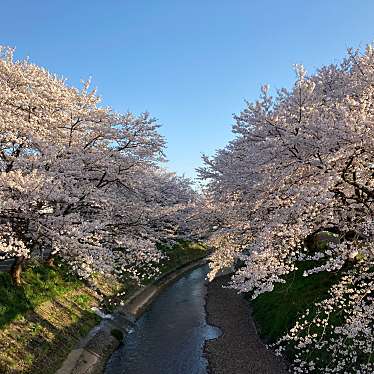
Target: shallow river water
[[169, 338]]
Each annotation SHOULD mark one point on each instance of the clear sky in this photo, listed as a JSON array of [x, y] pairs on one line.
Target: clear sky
[[191, 63]]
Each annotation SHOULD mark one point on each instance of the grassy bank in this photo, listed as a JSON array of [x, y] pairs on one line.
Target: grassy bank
[[180, 254], [277, 311], [42, 321]]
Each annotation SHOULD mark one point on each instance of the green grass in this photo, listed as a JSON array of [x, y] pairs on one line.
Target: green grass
[[82, 300], [180, 254], [277, 311], [39, 284], [41, 321]]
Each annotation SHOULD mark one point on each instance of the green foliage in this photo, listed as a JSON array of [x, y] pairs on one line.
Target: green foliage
[[277, 311], [40, 283]]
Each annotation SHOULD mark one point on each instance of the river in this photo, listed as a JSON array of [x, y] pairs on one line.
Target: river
[[169, 338]]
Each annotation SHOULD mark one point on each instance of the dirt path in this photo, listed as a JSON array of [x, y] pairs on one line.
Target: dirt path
[[239, 350]]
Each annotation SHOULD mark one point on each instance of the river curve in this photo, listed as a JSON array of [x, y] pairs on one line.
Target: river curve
[[169, 338]]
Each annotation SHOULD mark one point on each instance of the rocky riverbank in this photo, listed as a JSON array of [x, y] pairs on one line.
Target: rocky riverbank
[[238, 350]]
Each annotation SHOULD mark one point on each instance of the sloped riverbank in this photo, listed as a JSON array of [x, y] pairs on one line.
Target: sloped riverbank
[[50, 315], [238, 350]]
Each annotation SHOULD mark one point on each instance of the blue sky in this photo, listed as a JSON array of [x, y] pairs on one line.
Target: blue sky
[[191, 63]]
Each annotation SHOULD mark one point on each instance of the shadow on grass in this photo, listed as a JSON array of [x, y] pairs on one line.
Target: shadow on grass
[[44, 343], [50, 354], [40, 284], [39, 323], [13, 300]]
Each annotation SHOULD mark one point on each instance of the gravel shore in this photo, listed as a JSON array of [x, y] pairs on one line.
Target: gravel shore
[[238, 350]]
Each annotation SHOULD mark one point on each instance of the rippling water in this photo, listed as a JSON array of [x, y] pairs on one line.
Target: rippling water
[[169, 337]]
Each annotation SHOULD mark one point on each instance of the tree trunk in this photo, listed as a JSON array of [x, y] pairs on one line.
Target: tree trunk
[[16, 271], [50, 261]]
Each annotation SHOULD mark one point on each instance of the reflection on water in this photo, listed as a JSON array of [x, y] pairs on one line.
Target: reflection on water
[[169, 338]]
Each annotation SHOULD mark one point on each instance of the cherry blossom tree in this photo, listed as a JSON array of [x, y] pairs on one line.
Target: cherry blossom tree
[[78, 180], [301, 163]]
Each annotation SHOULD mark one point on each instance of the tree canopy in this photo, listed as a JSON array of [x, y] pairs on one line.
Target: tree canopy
[[302, 162]]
